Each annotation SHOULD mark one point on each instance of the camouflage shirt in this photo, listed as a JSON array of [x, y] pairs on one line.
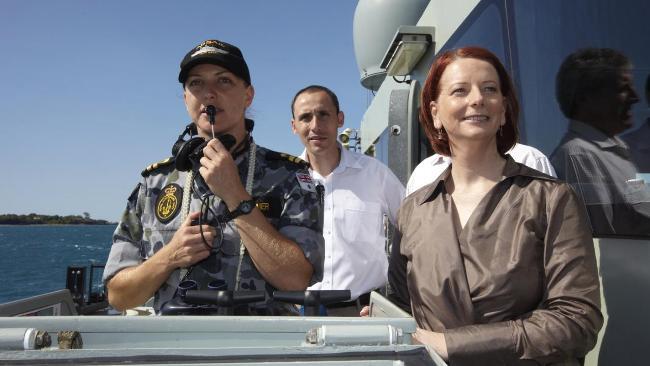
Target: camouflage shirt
[[153, 214]]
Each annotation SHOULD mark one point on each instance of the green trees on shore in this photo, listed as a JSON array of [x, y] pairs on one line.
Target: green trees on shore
[[36, 219]]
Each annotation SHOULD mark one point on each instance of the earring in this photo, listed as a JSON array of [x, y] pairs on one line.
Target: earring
[[439, 133]]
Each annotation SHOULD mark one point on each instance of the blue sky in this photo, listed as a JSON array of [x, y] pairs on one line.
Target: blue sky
[[89, 93]]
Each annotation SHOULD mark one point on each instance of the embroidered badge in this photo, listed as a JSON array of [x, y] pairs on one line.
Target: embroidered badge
[[263, 206], [168, 203], [271, 206], [305, 182]]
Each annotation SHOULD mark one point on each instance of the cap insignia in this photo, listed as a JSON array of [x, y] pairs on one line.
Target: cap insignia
[[208, 49]]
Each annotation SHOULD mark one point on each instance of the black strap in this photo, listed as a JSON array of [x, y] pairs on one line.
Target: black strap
[[361, 301]]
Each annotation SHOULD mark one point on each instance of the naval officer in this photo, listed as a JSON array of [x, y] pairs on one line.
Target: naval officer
[[260, 225]]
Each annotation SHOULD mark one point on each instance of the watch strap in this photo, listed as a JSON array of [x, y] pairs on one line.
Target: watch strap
[[240, 210]]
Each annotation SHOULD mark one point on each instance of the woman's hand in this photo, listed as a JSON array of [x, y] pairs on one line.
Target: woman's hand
[[432, 339], [187, 246], [220, 173]]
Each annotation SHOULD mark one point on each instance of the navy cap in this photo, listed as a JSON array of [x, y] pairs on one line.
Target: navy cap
[[215, 52]]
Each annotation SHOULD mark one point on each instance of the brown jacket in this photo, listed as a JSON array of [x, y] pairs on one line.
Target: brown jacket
[[517, 285]]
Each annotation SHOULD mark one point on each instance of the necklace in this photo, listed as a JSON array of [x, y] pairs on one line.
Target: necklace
[[252, 159]]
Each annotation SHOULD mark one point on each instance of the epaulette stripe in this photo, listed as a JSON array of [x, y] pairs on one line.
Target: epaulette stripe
[[293, 159], [274, 155], [152, 167]]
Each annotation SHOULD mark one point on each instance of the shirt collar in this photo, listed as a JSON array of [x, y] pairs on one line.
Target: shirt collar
[[238, 155], [511, 169], [594, 135], [432, 191], [439, 159], [348, 160]]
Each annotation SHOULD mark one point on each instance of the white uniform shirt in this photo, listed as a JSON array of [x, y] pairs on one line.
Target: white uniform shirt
[[358, 193], [430, 168]]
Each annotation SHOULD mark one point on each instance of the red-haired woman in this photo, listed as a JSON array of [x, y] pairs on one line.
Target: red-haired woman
[[495, 259]]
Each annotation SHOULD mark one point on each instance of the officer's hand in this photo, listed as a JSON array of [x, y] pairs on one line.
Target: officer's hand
[[187, 246], [220, 173]]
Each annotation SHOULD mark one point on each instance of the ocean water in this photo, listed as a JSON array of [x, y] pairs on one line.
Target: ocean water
[[34, 259]]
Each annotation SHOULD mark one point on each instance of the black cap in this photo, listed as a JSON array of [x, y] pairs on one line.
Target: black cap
[[215, 52]]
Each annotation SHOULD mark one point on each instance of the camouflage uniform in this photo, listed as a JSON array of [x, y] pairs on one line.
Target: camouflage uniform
[[141, 232]]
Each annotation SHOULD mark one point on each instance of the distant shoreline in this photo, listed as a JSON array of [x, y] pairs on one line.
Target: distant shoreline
[[36, 219], [91, 224]]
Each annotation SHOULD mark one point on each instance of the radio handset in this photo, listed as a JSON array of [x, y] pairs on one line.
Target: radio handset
[[188, 154], [228, 141]]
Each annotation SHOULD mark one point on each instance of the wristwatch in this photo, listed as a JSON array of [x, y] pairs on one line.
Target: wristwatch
[[244, 208]]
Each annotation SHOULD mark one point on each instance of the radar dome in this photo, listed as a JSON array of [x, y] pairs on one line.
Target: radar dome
[[375, 24]]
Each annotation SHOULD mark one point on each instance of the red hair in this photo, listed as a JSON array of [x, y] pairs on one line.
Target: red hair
[[509, 133]]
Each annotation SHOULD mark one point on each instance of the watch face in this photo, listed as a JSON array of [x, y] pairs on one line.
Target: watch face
[[246, 207]]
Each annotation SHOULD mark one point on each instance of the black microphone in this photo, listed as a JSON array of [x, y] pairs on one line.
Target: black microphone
[[211, 111], [320, 190]]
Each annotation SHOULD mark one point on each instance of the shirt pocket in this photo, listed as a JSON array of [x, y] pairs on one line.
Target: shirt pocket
[[157, 234], [362, 221]]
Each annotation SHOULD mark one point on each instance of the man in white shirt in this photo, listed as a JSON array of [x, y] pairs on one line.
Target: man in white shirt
[[359, 193], [430, 168]]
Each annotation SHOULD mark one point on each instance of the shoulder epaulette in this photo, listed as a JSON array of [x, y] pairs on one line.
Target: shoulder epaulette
[[153, 167], [274, 155]]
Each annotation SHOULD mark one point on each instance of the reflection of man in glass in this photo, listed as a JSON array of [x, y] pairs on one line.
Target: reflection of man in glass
[[639, 139], [595, 91]]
